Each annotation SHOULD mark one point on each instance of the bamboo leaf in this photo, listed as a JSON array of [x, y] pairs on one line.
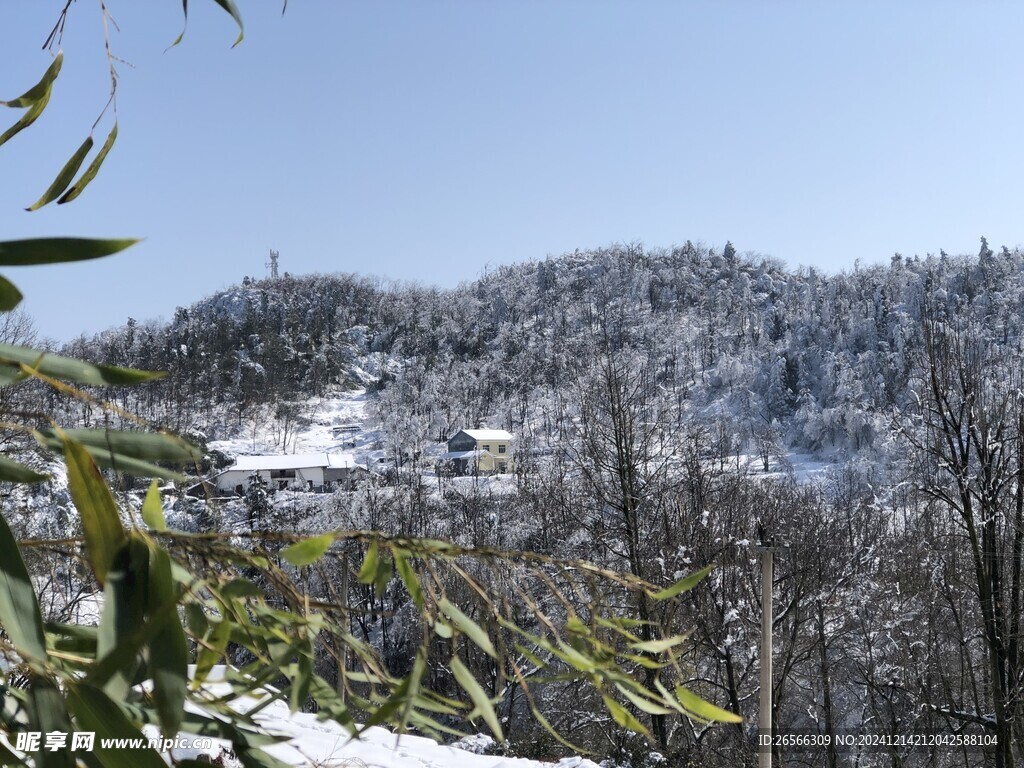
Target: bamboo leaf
[[642, 702], [48, 712], [231, 8], [29, 117], [622, 716], [211, 652], [10, 374], [657, 646], [468, 627], [301, 682], [684, 584], [19, 607], [40, 89], [704, 710], [408, 576], [130, 466], [145, 446], [10, 296], [101, 523], [168, 650], [14, 472], [74, 370], [125, 598], [308, 550], [93, 169], [368, 571], [482, 704], [240, 588], [257, 758], [58, 250], [153, 509], [67, 173], [95, 711]]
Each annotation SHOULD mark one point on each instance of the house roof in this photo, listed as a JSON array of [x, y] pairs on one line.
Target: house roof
[[293, 461], [488, 434]]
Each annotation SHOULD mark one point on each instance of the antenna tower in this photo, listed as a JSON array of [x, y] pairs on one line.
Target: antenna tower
[[272, 264]]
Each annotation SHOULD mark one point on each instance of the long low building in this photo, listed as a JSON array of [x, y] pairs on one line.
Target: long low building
[[297, 471]]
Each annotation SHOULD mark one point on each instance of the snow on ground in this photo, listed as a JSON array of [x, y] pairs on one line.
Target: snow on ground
[[364, 441], [314, 742], [266, 436]]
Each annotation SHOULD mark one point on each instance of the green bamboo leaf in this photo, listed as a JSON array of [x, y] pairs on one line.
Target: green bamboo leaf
[[231, 8], [48, 712], [257, 758], [368, 571], [153, 509], [101, 523], [622, 716], [145, 446], [482, 705], [168, 650], [90, 172], [237, 588], [302, 681], [58, 250], [643, 703], [657, 646], [212, 651], [30, 116], [9, 758], [704, 710], [95, 711], [19, 607], [238, 733], [40, 89], [67, 173], [308, 550], [11, 374], [10, 296], [73, 638], [408, 576], [14, 472], [130, 466], [468, 627], [59, 367], [179, 38], [125, 598], [684, 584]]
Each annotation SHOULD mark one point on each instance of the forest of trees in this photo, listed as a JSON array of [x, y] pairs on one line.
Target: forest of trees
[[663, 401]]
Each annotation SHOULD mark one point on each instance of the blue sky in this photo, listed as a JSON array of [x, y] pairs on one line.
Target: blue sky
[[424, 140]]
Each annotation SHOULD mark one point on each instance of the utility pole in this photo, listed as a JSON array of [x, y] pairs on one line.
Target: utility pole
[[767, 547], [764, 724]]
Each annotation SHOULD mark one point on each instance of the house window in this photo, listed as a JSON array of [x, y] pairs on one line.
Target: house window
[[501, 448], [486, 447], [503, 467]]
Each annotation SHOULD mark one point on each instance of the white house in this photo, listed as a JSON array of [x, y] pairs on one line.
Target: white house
[[299, 471], [487, 451]]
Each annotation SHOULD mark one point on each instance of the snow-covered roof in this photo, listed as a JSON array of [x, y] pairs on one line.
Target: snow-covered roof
[[293, 461], [341, 460], [289, 461], [488, 434]]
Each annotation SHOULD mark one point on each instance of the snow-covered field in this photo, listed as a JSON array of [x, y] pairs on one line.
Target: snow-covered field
[[324, 743]]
